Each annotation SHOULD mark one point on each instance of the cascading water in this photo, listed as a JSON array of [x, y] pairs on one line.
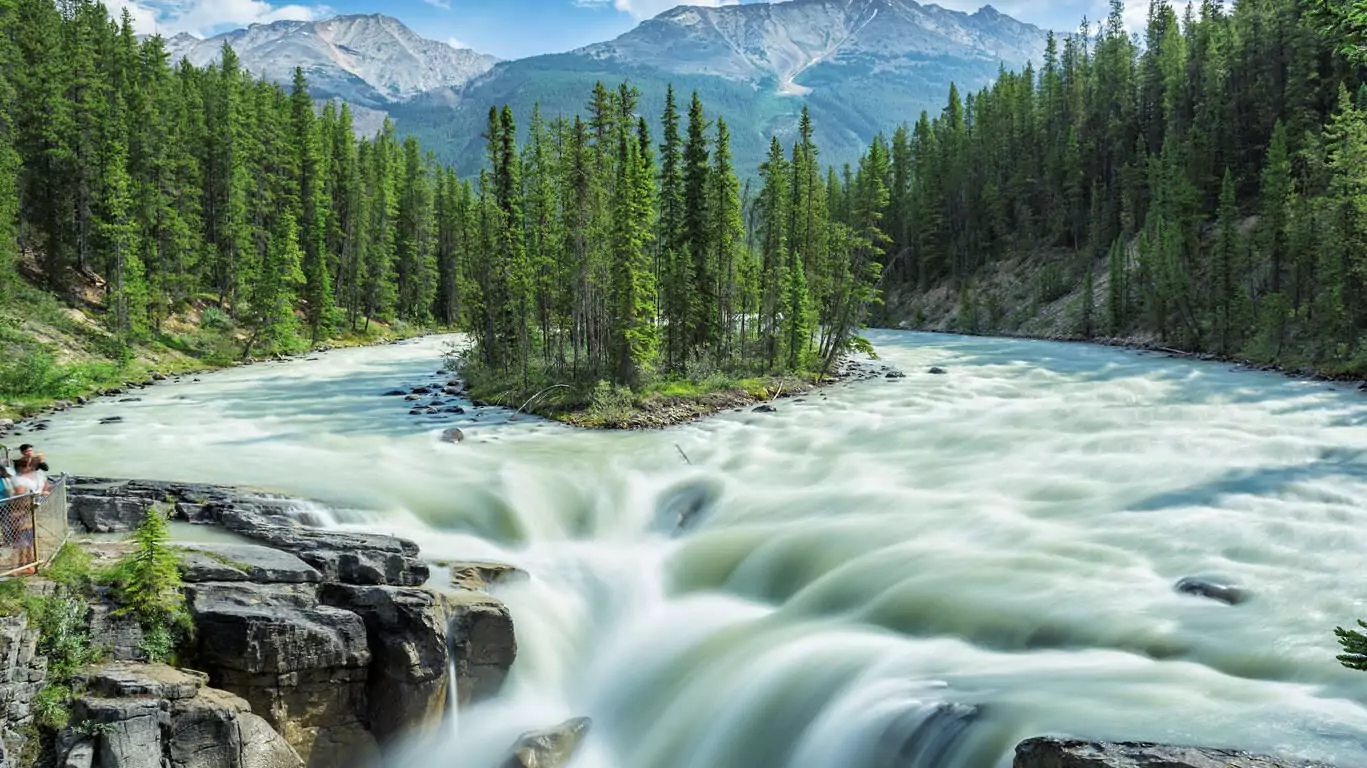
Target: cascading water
[[915, 572]]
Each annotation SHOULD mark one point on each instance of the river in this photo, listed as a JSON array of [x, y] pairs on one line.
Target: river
[[912, 573]]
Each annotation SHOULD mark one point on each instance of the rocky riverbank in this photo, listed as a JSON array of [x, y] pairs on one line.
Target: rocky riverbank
[[311, 647], [36, 417]]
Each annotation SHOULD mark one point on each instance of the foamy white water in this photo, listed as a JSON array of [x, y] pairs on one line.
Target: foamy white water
[[915, 572]]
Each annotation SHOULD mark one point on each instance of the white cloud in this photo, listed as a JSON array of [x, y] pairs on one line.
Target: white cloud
[[644, 9], [207, 17], [445, 5], [144, 18], [454, 43]]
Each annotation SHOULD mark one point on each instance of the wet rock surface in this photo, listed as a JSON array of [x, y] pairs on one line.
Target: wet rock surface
[[480, 575], [482, 644], [1213, 589], [549, 748], [1075, 753]]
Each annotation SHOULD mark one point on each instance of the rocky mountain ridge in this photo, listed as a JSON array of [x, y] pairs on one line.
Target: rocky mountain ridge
[[369, 60]]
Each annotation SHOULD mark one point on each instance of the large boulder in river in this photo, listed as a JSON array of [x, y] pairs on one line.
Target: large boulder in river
[[302, 665], [1074, 753], [480, 575], [150, 716], [549, 748], [1214, 589], [407, 684]]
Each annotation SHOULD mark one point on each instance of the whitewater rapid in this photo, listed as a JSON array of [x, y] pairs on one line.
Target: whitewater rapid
[[901, 572]]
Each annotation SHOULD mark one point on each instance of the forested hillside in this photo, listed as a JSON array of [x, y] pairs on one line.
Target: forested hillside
[[1205, 187], [150, 193]]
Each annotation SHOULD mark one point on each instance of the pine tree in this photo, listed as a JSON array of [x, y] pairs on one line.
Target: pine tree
[[274, 290], [697, 235], [674, 269], [310, 210], [774, 203], [1224, 303], [116, 235], [728, 240]]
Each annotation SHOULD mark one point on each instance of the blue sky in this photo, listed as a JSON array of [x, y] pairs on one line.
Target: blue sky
[[517, 28]]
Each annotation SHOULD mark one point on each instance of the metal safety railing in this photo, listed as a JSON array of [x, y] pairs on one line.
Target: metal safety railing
[[33, 528]]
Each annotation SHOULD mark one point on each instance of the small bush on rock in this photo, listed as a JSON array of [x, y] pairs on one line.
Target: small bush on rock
[[147, 585]]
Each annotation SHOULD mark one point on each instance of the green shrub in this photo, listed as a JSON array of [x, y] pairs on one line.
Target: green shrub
[[52, 707], [611, 404], [215, 319], [64, 633]]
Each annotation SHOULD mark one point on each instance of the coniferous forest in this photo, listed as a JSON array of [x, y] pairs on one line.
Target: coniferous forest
[[1204, 186], [590, 251]]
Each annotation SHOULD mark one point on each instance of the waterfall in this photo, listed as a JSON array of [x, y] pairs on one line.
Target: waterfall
[[452, 697]]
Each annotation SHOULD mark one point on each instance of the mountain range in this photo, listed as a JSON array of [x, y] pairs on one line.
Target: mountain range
[[861, 66]]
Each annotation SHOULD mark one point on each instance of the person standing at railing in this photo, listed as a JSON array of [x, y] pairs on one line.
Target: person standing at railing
[[31, 467], [16, 521]]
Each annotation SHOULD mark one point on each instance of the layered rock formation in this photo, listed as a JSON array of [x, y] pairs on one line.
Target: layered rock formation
[[148, 716], [327, 636], [1074, 753], [22, 674]]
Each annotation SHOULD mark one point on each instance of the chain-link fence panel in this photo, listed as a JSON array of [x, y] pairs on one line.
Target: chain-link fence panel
[[17, 550], [50, 522]]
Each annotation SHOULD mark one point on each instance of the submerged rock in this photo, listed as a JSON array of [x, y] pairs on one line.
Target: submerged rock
[[1229, 594], [927, 735], [549, 748], [1074, 753], [766, 408], [896, 375], [453, 435], [937, 371]]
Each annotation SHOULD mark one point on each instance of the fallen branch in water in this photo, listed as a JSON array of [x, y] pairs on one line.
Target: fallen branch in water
[[684, 455]]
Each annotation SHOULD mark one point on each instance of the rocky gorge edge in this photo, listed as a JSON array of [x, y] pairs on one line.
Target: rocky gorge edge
[[310, 647], [317, 648]]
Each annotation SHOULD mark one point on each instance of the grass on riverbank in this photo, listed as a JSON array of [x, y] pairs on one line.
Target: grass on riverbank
[[660, 403], [51, 351]]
